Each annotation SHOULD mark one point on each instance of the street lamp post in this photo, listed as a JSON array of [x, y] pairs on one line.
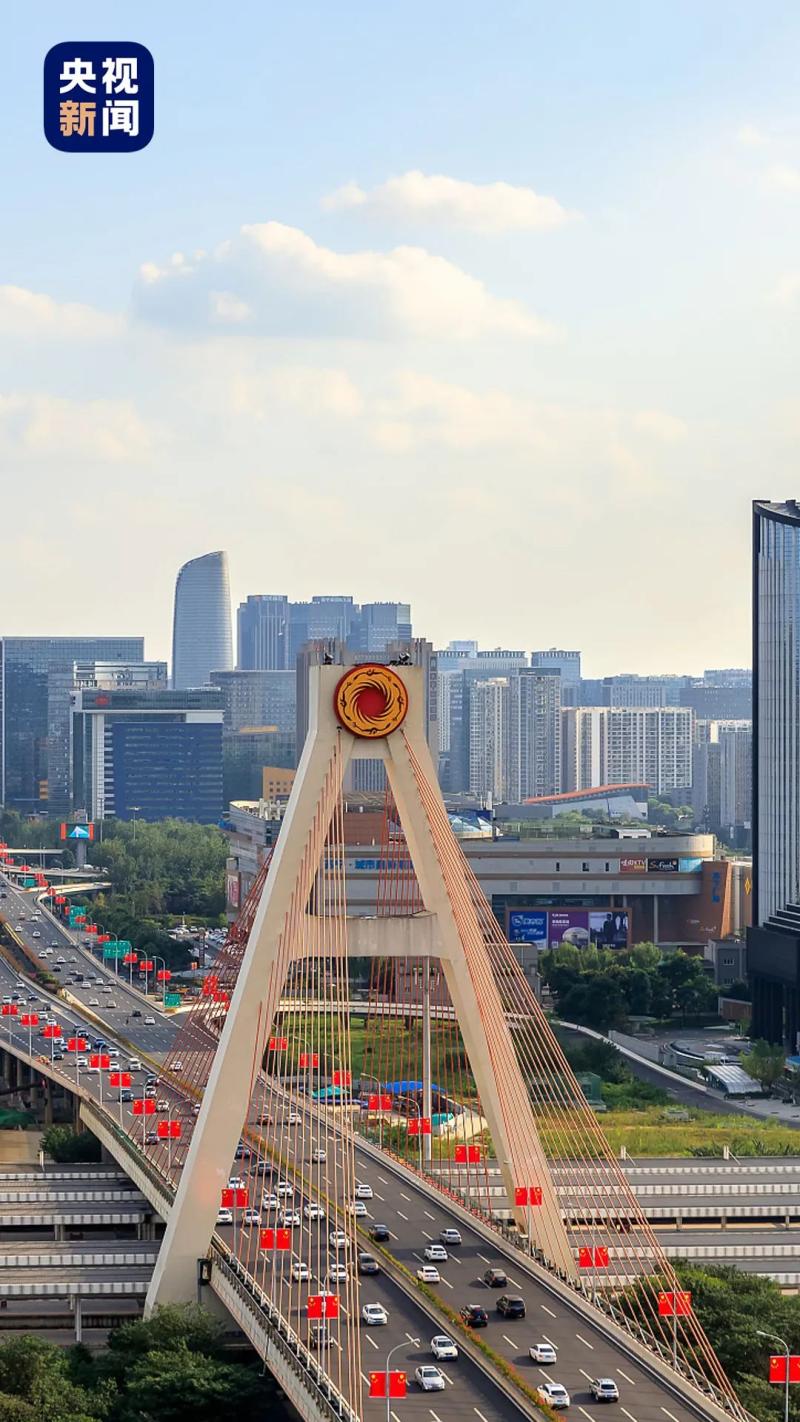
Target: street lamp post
[[785, 1346], [134, 809], [396, 1349], [157, 959]]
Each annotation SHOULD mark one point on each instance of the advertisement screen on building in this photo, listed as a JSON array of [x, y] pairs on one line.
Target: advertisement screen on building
[[605, 928], [662, 866], [632, 864], [232, 890], [76, 831], [528, 926], [689, 865]]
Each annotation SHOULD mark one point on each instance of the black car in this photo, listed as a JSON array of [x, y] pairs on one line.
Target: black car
[[136, 1012], [511, 1306], [495, 1278], [380, 1233], [474, 1316]]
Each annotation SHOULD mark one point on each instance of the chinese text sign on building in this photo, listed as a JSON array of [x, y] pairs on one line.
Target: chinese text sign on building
[[98, 98]]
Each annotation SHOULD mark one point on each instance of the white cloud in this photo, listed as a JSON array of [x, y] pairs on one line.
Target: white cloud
[[665, 427], [784, 177], [432, 197], [787, 291], [275, 280], [751, 137], [32, 314], [310, 389], [46, 426]]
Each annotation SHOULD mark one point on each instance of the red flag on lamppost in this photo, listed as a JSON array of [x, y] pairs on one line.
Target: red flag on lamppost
[[465, 1153], [528, 1195], [342, 1078], [420, 1126], [29, 1019], [397, 1384], [308, 1059], [379, 1102], [323, 1306], [130, 958], [100, 1059], [9, 1009], [52, 1030], [77, 1044], [233, 1196], [144, 1107], [275, 1239], [168, 1130], [146, 965], [120, 1078], [163, 975], [210, 985], [777, 1368], [593, 1258], [278, 1044], [674, 1304]]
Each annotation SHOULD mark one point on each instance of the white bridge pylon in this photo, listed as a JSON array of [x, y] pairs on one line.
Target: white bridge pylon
[[285, 930]]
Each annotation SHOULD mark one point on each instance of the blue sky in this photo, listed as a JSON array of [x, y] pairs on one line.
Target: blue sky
[[539, 411]]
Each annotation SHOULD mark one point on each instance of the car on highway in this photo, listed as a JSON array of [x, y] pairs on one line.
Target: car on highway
[[604, 1390], [176, 1066], [429, 1274], [337, 1273], [368, 1264], [313, 1211], [511, 1306], [151, 1091], [450, 1236], [436, 1253], [126, 1094], [319, 1336], [36, 933], [443, 1347], [293, 1119], [495, 1278], [555, 1394], [56, 969], [374, 1315], [134, 1064], [475, 1316], [149, 1021], [252, 1217], [111, 1007], [151, 1138], [43, 955], [270, 1201], [429, 1378], [357, 1208], [93, 1001], [289, 1219], [319, 1157], [380, 1233], [162, 1104], [300, 1271], [543, 1353], [224, 1216], [285, 1188], [363, 1191], [137, 1012], [337, 1239], [235, 1182]]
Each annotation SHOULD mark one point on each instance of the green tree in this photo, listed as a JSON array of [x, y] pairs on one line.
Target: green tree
[[766, 1063], [38, 1374], [173, 1326], [179, 1385], [62, 1143]]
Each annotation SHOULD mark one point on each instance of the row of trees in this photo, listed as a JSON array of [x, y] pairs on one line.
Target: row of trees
[[171, 1368], [602, 987]]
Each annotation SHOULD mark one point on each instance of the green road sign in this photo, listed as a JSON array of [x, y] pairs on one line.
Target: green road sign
[[172, 999], [113, 950]]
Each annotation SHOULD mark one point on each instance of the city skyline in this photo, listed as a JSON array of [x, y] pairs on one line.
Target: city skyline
[[454, 349]]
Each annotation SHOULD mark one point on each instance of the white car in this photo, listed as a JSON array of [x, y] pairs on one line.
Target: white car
[[270, 1201], [42, 955], [224, 1216], [319, 1157], [177, 1066], [374, 1315], [94, 1002], [252, 1217], [543, 1353], [313, 1211], [436, 1253], [37, 934], [363, 1191], [149, 1021], [337, 1274], [135, 1065], [337, 1239], [235, 1182], [287, 1219], [429, 1378], [450, 1236], [555, 1394], [429, 1274], [443, 1347], [300, 1271], [358, 1208], [294, 1118], [285, 1188]]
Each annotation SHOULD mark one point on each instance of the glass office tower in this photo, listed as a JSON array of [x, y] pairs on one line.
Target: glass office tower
[[201, 631]]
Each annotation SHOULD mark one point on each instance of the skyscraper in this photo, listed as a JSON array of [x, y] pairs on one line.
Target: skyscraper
[[489, 724], [262, 628], [535, 733], [201, 629]]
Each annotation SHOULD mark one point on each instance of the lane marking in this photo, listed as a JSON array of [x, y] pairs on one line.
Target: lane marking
[[427, 1236], [479, 1414], [404, 1196], [411, 1338], [670, 1414], [548, 1310], [433, 1415], [402, 1216], [550, 1341], [585, 1374], [627, 1379], [371, 1340], [516, 1284], [510, 1341], [428, 1213], [487, 1261], [627, 1413], [446, 1378], [382, 1180], [395, 1416], [585, 1413], [445, 1281], [584, 1341], [379, 1197]]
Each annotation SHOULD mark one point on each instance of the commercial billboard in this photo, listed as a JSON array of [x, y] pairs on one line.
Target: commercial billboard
[[528, 926], [632, 864], [76, 831], [662, 866], [606, 928]]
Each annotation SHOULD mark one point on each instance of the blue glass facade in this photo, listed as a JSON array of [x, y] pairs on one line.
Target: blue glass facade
[[166, 769]]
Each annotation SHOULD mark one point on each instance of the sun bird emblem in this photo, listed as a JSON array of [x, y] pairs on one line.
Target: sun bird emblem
[[371, 701]]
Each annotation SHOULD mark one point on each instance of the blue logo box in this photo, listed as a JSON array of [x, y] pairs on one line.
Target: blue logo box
[[98, 98]]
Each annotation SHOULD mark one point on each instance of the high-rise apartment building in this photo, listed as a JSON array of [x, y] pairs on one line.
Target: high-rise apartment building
[[262, 633], [535, 733], [568, 665], [36, 677], [736, 782], [489, 738], [636, 745], [201, 629]]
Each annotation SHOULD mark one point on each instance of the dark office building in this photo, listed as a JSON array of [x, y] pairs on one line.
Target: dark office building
[[152, 754], [36, 674]]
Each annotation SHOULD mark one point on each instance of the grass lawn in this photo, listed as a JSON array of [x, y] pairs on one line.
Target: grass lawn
[[646, 1133]]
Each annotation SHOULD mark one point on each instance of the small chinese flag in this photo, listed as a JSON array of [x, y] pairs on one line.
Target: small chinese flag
[[278, 1044], [308, 1059], [420, 1126], [131, 958], [233, 1196], [9, 1009], [342, 1078], [30, 1019], [377, 1102], [120, 1078], [76, 1044], [323, 1306], [146, 1107], [521, 1195], [100, 1059], [52, 1031], [163, 975], [168, 1130], [397, 1384], [146, 965], [593, 1258], [275, 1239]]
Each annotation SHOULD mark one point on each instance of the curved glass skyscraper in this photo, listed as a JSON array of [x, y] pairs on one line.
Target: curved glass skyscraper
[[201, 627]]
